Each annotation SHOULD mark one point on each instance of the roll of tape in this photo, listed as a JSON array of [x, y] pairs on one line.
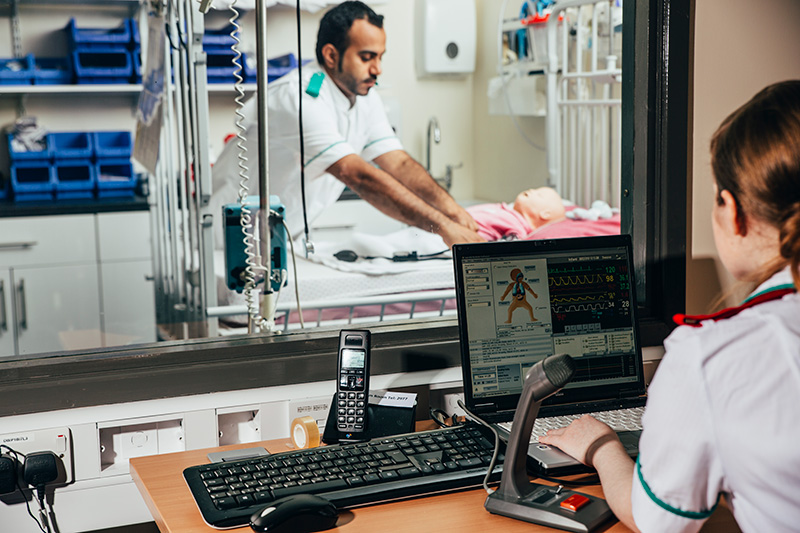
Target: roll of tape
[[305, 433]]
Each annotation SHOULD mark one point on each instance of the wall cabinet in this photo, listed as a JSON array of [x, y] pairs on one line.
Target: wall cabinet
[[6, 318], [67, 284]]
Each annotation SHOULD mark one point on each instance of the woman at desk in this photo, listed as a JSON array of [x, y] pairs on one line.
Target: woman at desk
[[717, 418]]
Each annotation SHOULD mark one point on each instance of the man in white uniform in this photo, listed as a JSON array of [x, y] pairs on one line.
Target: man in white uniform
[[344, 127]]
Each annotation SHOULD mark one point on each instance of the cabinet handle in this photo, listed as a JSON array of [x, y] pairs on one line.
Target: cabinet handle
[[23, 312], [3, 316], [15, 245]]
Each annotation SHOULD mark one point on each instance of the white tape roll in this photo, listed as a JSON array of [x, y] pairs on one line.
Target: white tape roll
[[305, 433]]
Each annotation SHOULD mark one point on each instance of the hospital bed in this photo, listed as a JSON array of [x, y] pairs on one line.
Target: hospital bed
[[336, 293]]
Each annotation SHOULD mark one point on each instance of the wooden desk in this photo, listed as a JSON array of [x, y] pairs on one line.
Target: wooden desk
[[160, 481]]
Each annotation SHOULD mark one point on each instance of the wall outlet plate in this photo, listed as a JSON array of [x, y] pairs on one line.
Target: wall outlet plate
[[56, 440]]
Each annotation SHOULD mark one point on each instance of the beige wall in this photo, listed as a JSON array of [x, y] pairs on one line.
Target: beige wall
[[505, 163], [740, 47]]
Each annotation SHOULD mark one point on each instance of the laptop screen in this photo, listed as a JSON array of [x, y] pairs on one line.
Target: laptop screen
[[521, 301]]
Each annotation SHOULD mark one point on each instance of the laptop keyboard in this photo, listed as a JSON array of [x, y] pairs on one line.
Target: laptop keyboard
[[619, 420]]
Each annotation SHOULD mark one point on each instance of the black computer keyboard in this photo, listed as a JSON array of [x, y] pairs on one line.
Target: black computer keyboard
[[383, 469]]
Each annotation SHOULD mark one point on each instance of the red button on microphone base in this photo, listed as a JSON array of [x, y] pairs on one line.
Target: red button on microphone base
[[574, 502]]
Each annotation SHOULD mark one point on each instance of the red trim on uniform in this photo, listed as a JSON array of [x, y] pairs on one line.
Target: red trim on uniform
[[695, 320]]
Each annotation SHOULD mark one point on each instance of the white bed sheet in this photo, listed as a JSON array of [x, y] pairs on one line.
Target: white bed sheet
[[320, 283]]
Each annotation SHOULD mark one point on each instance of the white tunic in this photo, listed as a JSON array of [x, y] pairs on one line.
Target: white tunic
[[332, 129], [723, 417]]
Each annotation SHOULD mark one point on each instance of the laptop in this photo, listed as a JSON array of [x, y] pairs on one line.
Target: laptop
[[521, 301]]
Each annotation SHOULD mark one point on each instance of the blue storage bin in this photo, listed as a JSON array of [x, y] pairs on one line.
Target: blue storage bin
[[277, 67], [112, 144], [33, 179], [91, 37], [115, 178], [102, 65], [16, 71], [219, 38], [3, 187], [70, 145], [28, 155], [136, 41], [73, 176], [52, 71], [136, 57], [220, 67]]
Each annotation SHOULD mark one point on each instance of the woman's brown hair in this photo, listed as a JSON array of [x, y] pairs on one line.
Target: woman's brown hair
[[755, 155]]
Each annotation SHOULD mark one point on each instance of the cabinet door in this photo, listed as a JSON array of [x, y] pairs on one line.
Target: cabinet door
[[57, 308], [6, 315], [129, 310]]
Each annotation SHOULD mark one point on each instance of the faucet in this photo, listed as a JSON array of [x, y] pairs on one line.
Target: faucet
[[433, 128]]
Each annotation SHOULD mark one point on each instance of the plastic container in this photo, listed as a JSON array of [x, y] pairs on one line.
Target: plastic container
[[277, 67], [135, 41], [220, 38], [112, 144], [83, 37], [16, 71], [136, 57], [75, 178], [220, 67], [32, 179], [52, 71], [28, 155], [102, 65], [115, 178], [70, 145], [4, 187]]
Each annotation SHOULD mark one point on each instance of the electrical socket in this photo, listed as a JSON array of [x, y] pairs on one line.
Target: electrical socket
[[56, 440], [317, 408]]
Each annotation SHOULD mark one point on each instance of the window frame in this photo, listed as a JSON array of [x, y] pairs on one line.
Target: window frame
[[656, 140]]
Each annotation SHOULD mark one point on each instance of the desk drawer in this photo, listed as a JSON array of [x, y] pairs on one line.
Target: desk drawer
[[30, 241]]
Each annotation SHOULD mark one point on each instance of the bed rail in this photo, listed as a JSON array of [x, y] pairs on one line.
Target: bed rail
[[397, 306]]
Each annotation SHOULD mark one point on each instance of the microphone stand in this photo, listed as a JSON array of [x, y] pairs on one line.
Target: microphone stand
[[517, 497]]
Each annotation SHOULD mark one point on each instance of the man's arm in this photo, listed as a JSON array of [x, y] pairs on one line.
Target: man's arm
[[407, 171], [395, 200], [595, 444]]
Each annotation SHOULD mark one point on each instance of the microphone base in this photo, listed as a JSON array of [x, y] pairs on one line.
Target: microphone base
[[542, 505]]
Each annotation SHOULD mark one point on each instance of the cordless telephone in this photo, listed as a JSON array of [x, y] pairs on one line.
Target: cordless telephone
[[352, 387]]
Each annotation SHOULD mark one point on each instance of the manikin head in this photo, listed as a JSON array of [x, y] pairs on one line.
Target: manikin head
[[540, 206], [350, 46]]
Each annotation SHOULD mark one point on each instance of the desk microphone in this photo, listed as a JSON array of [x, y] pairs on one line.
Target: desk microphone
[[517, 497]]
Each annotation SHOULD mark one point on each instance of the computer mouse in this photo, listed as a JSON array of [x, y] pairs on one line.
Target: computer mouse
[[299, 513]]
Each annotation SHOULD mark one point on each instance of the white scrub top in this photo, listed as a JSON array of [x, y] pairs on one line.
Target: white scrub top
[[332, 130], [723, 417]]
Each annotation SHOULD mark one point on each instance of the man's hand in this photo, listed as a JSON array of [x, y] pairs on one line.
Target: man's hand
[[465, 219], [582, 439], [453, 233]]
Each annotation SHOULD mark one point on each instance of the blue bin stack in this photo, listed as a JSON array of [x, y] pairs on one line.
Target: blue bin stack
[[73, 170], [112, 150], [74, 165], [31, 172], [104, 55], [219, 56]]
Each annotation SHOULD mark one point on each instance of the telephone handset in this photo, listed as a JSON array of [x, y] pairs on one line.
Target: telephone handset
[[352, 387]]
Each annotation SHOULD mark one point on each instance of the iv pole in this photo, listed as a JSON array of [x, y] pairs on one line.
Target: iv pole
[[267, 300]]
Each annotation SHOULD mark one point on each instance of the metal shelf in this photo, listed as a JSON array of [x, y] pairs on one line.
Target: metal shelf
[[70, 89]]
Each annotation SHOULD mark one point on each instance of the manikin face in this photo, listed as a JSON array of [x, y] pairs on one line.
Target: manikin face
[[540, 206], [357, 70]]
